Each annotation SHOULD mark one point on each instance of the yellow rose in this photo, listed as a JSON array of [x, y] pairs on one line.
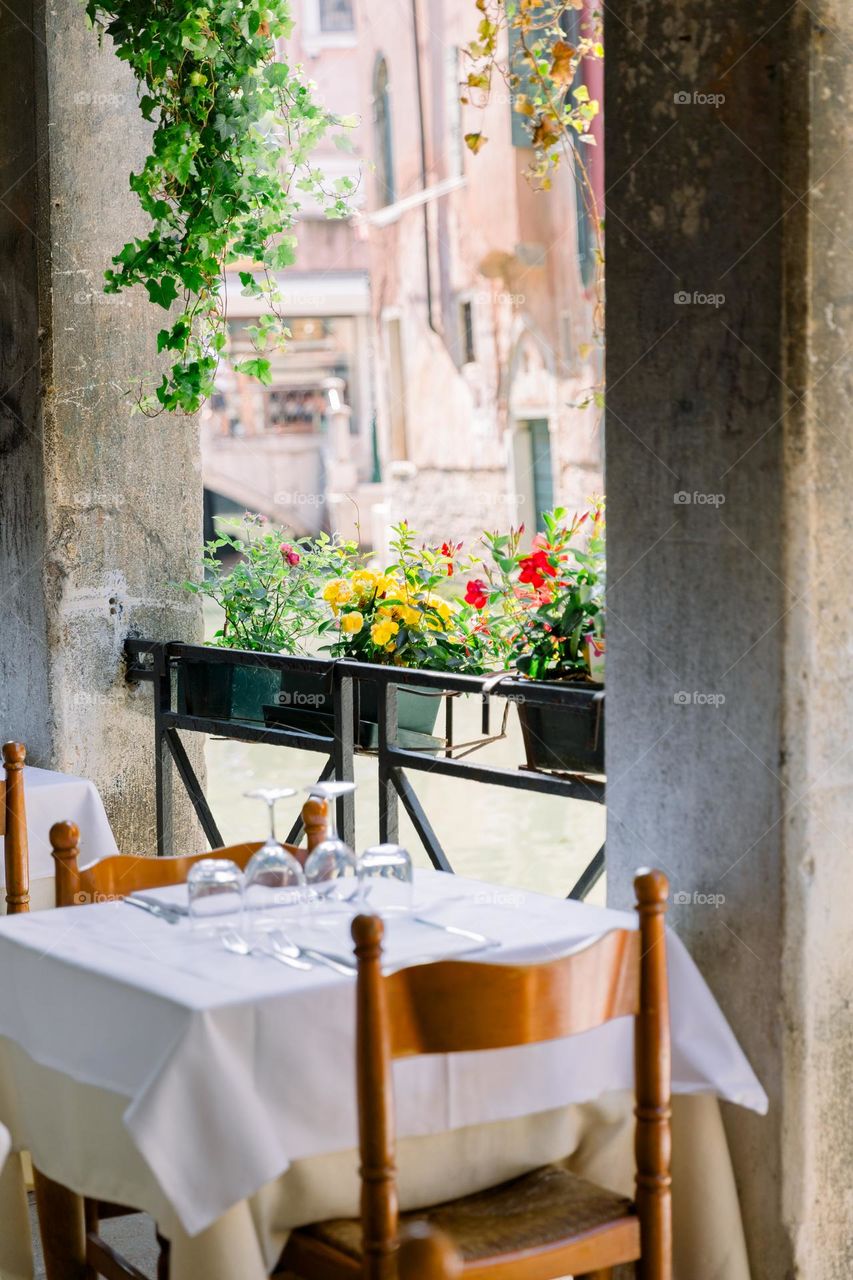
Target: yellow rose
[[352, 622], [382, 632], [411, 617], [364, 582], [337, 591]]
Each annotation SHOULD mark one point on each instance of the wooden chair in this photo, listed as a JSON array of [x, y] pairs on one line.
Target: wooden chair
[[427, 1254], [13, 828], [103, 881], [546, 1224]]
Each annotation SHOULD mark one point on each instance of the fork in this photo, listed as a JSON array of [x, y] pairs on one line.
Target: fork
[[284, 946], [237, 944]]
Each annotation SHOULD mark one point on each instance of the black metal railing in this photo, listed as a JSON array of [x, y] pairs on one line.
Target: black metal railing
[[158, 661]]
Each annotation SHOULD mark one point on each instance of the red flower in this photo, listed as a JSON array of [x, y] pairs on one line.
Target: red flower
[[448, 550], [476, 593], [534, 567], [289, 553]]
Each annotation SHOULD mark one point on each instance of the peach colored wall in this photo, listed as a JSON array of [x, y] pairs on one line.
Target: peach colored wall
[[495, 242]]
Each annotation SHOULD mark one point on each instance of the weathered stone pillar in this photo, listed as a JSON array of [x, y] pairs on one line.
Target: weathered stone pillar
[[729, 474], [100, 509]]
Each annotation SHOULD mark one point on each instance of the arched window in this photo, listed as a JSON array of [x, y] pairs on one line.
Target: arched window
[[384, 156]]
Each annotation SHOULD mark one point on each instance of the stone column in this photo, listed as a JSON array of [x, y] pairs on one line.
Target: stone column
[[100, 508], [729, 474]]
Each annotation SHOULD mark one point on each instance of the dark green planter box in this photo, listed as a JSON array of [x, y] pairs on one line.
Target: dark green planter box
[[309, 712], [417, 712], [221, 691], [567, 739]]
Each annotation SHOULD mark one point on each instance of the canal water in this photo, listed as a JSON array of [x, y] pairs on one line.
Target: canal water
[[513, 838]]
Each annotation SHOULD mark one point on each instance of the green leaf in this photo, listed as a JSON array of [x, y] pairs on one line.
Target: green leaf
[[162, 292], [256, 367]]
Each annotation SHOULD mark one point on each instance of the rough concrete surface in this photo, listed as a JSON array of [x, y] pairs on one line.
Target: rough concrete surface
[[728, 478], [101, 507]]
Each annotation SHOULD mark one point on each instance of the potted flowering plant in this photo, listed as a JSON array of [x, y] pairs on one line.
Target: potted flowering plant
[[271, 601], [547, 620], [405, 615]]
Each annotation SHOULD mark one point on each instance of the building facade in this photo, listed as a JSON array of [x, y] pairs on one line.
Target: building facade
[[443, 336]]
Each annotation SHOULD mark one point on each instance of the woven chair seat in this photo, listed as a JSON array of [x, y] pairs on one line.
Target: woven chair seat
[[538, 1209]]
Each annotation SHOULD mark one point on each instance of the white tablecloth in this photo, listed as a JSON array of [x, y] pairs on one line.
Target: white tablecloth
[[58, 797], [214, 1053]]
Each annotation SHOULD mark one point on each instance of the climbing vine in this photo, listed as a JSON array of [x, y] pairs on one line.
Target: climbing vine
[[228, 167], [536, 49]]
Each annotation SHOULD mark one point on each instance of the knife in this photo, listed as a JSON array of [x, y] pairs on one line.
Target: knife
[[155, 909], [458, 933], [173, 908]]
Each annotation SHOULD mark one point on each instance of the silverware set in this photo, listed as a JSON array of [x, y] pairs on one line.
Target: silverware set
[[279, 946]]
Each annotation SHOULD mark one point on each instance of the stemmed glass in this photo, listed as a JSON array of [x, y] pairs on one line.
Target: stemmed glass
[[331, 869], [386, 878], [274, 878]]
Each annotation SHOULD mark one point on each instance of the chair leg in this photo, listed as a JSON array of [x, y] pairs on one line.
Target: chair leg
[[62, 1227], [163, 1258]]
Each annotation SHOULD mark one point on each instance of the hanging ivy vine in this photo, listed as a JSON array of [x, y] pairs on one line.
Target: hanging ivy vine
[[536, 49], [229, 165]]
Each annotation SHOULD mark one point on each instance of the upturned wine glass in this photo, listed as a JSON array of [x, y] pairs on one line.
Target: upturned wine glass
[[274, 878], [386, 878], [331, 869]]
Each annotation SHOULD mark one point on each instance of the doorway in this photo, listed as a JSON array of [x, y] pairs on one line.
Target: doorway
[[534, 472]]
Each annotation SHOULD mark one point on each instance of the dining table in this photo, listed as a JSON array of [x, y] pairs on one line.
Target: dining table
[[49, 797], [142, 1062]]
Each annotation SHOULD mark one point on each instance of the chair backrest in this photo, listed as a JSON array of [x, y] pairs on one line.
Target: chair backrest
[[462, 1006], [121, 874], [13, 828]]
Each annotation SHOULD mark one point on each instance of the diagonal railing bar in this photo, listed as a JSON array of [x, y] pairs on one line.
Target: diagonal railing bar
[[193, 787], [589, 877], [420, 821]]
